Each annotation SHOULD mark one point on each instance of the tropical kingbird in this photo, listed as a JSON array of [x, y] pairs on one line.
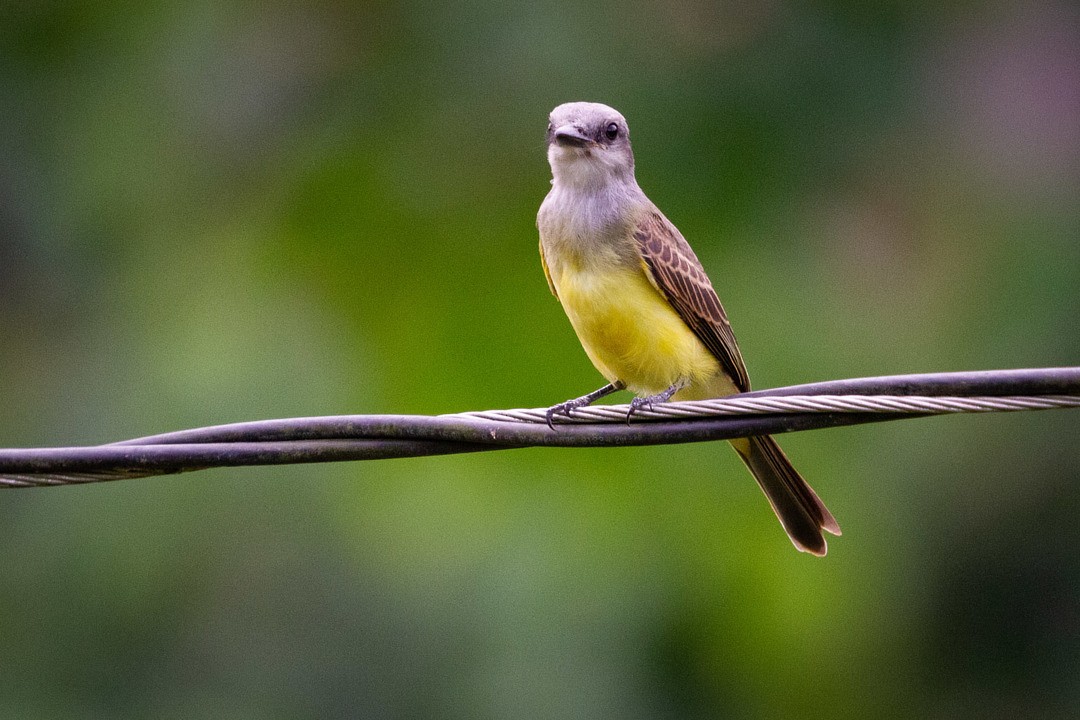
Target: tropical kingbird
[[641, 303]]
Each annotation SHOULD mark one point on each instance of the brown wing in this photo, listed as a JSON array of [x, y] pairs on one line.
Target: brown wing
[[547, 273], [675, 270]]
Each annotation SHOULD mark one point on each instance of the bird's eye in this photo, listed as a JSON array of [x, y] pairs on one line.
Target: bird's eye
[[611, 131]]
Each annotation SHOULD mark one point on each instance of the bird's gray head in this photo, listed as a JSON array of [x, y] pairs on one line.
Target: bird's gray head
[[589, 145]]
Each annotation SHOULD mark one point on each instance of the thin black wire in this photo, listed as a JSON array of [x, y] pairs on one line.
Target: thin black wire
[[369, 437]]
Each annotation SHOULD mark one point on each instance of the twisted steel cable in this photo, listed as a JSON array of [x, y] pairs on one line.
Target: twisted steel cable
[[903, 404], [369, 437]]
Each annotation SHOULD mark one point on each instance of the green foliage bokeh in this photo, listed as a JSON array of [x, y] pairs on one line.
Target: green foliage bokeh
[[213, 212]]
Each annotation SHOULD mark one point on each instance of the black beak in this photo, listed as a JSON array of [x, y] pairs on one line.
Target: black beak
[[570, 135]]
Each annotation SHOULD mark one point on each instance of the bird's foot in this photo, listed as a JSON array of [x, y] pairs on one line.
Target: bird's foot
[[647, 402], [564, 408], [570, 406]]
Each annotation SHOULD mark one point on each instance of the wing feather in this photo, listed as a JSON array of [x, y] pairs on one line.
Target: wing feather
[[547, 272], [675, 270]]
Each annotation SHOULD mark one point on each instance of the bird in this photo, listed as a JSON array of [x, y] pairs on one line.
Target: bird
[[641, 304]]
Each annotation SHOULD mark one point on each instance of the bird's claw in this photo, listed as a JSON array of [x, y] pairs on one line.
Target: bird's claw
[[642, 402], [571, 405], [563, 408], [637, 404]]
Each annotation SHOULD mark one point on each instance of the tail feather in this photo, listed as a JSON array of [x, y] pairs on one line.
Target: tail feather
[[795, 503]]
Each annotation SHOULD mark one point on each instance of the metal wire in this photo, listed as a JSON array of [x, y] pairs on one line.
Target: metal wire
[[368, 437], [903, 404]]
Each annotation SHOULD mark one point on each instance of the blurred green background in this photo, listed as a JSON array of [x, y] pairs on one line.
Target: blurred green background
[[222, 211]]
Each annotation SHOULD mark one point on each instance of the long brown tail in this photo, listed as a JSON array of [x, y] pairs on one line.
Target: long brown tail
[[801, 512]]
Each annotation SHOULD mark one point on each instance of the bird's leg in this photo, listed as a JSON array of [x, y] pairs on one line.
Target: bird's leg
[[570, 405], [661, 397]]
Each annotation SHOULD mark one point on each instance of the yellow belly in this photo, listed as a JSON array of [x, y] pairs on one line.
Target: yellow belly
[[632, 334]]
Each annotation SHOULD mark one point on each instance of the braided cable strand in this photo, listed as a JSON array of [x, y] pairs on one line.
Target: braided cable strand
[[370, 437], [900, 404]]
